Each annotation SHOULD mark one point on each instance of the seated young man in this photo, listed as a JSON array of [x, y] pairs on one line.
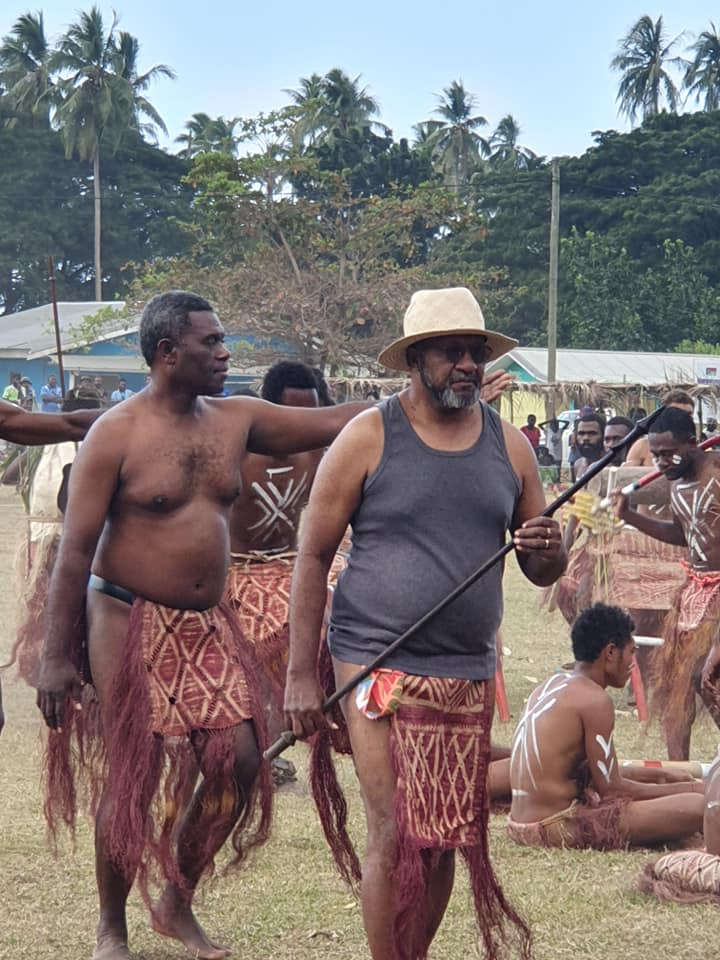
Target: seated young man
[[567, 789]]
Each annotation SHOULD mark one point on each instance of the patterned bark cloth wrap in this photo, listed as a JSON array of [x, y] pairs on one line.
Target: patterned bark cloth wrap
[[689, 631], [440, 750], [686, 876], [627, 569], [581, 826], [635, 571], [258, 590], [184, 689]]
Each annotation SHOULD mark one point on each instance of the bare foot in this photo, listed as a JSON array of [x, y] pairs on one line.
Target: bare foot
[[111, 947], [176, 920]]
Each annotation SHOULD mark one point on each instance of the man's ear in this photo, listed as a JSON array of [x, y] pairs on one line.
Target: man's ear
[[167, 350]]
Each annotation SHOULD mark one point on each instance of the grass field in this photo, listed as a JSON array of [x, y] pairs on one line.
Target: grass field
[[289, 905]]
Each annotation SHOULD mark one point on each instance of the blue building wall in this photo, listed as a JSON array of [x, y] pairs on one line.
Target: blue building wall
[[40, 369]]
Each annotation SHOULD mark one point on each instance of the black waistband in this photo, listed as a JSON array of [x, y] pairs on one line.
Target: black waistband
[[111, 589]]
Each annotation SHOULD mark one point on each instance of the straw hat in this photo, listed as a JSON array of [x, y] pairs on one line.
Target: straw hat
[[442, 313]]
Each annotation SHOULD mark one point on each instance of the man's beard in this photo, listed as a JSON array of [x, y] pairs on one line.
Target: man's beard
[[445, 398], [591, 451]]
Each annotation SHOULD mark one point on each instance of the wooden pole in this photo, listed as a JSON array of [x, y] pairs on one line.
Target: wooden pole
[[56, 322], [553, 279]]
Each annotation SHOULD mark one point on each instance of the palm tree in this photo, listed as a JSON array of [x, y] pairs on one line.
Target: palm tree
[[207, 135], [702, 77], [25, 70], [128, 49], [308, 103], [195, 139], [504, 147], [458, 147], [335, 103], [346, 105], [101, 99], [641, 58]]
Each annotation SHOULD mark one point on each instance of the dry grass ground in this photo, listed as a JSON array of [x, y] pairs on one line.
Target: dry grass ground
[[290, 905]]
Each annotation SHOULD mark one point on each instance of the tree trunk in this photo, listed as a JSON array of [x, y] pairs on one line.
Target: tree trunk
[[98, 223]]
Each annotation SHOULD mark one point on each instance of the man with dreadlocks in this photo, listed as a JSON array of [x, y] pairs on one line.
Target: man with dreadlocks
[[432, 481], [691, 631]]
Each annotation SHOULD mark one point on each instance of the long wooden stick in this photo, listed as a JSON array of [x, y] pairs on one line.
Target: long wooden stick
[[287, 738], [56, 322]]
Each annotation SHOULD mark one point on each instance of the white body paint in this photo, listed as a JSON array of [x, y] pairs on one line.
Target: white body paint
[[276, 498], [698, 511], [606, 746], [525, 751]]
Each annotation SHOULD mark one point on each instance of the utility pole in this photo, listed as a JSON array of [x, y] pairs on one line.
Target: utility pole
[[553, 280]]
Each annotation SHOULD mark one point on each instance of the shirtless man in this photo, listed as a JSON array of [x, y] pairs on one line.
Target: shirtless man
[[639, 454], [264, 524], [148, 513], [564, 745], [693, 624]]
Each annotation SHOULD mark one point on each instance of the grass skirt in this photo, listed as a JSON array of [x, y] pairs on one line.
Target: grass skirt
[[187, 674]]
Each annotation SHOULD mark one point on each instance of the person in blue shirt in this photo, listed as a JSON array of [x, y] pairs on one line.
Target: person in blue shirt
[[122, 393], [51, 396]]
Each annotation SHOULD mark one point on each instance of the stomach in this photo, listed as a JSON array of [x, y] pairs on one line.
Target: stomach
[[178, 560]]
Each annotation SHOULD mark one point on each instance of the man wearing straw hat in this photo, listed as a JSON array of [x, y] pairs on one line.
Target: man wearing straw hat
[[432, 481]]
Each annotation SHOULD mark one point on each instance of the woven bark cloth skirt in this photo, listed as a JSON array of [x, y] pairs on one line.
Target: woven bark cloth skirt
[[635, 571], [258, 590], [581, 826], [440, 750], [690, 629], [186, 686]]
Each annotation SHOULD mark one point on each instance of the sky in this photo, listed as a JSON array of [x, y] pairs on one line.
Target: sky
[[546, 63]]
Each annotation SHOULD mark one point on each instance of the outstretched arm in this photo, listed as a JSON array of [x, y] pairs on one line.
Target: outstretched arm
[[35, 429], [277, 431], [93, 482]]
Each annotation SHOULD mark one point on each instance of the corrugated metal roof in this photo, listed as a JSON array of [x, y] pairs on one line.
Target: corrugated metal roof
[[609, 366], [31, 332]]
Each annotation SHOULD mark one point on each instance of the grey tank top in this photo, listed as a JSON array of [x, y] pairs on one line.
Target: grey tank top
[[428, 518]]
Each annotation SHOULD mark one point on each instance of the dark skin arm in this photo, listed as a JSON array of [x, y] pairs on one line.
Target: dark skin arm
[[35, 429], [335, 496], [93, 482], [668, 532], [277, 430], [598, 717]]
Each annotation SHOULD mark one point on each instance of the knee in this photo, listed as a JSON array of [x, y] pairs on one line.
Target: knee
[[382, 835], [247, 765]]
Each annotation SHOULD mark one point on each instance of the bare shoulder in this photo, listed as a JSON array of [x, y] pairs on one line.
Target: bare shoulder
[[117, 423], [515, 440], [358, 447], [639, 453], [592, 700]]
